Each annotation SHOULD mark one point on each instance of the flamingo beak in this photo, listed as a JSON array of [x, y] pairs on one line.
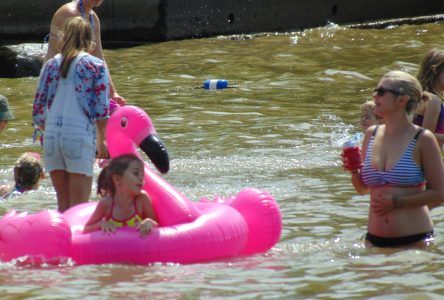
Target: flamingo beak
[[156, 150]]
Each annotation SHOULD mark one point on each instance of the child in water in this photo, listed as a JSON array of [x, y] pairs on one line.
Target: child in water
[[123, 202], [28, 171], [368, 116]]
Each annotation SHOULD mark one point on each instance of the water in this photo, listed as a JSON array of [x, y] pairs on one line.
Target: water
[[297, 100]]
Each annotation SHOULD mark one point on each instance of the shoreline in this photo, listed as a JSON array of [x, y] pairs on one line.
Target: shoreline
[[161, 20]]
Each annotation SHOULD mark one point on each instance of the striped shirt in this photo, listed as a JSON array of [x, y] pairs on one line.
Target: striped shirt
[[404, 173]]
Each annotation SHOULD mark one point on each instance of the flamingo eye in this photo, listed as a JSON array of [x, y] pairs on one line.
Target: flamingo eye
[[124, 122]]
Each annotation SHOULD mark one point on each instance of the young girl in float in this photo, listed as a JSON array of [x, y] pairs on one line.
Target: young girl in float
[[71, 105], [399, 160], [28, 171], [430, 112], [123, 201]]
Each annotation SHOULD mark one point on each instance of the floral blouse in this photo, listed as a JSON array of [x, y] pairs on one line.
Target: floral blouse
[[91, 85]]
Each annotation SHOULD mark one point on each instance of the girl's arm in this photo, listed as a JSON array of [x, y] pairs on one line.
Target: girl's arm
[[147, 207], [94, 222], [150, 219], [431, 116]]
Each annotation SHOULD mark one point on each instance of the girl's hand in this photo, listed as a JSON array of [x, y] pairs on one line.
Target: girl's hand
[[146, 226], [107, 227], [101, 151], [382, 203]]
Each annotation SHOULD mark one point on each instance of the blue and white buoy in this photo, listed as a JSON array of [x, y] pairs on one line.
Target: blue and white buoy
[[215, 84]]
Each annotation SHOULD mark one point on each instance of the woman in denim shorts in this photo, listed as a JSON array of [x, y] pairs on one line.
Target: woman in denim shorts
[[71, 106]]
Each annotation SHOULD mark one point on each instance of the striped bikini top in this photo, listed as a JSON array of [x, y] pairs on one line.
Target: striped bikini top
[[132, 221], [404, 173]]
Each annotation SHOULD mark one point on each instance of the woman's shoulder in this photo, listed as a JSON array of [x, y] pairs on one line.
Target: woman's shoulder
[[424, 135]]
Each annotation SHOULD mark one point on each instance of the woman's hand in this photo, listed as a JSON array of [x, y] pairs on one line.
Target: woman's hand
[[382, 203], [351, 159], [146, 226], [107, 227], [119, 99]]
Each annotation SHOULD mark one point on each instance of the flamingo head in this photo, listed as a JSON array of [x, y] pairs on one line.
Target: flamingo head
[[130, 127]]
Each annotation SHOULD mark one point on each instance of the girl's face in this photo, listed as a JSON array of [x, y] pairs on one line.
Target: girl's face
[[368, 119], [132, 179]]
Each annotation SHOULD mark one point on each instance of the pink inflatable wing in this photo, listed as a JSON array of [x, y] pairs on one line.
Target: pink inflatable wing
[[44, 236]]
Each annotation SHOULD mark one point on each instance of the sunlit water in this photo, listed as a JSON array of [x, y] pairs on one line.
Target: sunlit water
[[296, 101]]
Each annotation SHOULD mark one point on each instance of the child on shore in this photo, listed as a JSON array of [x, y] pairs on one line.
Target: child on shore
[[5, 112], [123, 202], [28, 171]]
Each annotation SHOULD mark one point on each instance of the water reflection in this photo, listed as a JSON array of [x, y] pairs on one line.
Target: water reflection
[[297, 100]]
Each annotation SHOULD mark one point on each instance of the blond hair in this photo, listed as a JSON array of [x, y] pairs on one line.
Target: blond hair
[[406, 84], [369, 106], [77, 37]]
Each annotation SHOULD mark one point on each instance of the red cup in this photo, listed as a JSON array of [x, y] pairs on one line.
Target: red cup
[[354, 158]]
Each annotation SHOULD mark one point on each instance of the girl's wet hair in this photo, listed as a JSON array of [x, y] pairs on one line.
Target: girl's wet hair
[[28, 170], [117, 166]]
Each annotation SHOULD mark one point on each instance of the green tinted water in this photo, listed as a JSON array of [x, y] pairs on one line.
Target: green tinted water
[[281, 129]]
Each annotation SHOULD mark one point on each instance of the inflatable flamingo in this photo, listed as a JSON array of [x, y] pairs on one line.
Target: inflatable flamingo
[[247, 223]]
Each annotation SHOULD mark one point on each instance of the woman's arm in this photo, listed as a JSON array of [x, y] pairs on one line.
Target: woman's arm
[[431, 161], [429, 157], [58, 20], [98, 52]]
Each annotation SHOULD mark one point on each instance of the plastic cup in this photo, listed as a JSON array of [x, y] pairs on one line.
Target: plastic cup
[[354, 157]]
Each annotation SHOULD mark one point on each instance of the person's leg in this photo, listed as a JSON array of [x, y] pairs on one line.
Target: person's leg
[[60, 180], [79, 188]]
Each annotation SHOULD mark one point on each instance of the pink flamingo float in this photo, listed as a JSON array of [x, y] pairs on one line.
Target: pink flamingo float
[[189, 232]]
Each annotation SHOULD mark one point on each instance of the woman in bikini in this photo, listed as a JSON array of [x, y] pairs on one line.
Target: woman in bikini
[[83, 8], [400, 158], [430, 112], [123, 202]]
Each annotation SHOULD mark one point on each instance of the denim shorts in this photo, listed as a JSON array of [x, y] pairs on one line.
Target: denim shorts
[[70, 146]]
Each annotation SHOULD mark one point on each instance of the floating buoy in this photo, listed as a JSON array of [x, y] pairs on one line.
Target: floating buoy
[[215, 84]]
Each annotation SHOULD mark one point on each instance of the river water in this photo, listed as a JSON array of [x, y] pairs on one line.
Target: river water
[[295, 100]]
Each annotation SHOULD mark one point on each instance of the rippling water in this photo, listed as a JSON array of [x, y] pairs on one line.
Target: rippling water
[[297, 98]]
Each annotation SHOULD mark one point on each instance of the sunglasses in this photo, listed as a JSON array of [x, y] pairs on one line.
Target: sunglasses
[[380, 91]]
